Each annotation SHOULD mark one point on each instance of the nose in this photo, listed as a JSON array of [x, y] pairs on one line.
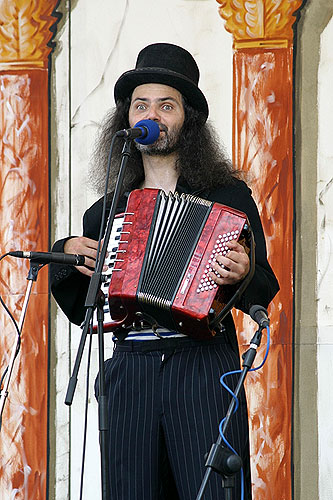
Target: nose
[[153, 113]]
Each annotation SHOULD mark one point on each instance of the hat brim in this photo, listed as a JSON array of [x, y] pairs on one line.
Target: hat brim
[[131, 79]]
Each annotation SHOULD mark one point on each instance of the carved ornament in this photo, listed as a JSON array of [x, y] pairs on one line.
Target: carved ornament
[[25, 33], [260, 23]]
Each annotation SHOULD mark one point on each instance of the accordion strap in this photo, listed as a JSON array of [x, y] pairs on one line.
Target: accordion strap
[[216, 322]]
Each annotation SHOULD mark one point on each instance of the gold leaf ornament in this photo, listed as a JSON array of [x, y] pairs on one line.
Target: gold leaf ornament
[[260, 22], [25, 32]]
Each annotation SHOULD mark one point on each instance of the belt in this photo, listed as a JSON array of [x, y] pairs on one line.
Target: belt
[[166, 344]]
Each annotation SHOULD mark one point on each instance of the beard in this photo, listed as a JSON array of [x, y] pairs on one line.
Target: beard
[[166, 143]]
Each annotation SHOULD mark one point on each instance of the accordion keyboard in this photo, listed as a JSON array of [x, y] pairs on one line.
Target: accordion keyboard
[[110, 261]]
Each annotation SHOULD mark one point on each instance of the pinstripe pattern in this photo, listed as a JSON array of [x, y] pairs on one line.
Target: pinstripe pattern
[[175, 394]]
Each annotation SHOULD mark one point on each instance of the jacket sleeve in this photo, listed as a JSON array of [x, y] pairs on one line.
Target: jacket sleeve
[[264, 285], [68, 286]]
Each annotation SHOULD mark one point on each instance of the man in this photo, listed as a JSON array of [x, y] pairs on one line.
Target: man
[[165, 399]]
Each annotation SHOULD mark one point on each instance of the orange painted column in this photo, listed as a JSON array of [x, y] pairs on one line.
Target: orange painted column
[[263, 149], [24, 225]]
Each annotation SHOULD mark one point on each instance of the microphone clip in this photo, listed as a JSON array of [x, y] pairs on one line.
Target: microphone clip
[[259, 315]]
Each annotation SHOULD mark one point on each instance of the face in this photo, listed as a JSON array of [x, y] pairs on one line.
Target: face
[[164, 105]]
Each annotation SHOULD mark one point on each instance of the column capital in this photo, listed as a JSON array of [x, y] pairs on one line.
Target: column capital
[[25, 33], [260, 23]]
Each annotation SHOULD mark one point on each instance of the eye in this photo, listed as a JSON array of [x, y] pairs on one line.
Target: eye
[[141, 107], [167, 107]]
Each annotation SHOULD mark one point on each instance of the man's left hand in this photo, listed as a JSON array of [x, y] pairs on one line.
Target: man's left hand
[[232, 267]]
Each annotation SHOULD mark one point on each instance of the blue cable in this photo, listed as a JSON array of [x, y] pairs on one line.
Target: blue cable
[[237, 403], [266, 353]]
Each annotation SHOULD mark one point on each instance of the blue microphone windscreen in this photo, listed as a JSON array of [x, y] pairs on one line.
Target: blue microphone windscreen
[[153, 131]]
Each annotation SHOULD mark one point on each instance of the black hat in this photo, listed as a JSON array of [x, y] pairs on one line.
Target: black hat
[[166, 64]]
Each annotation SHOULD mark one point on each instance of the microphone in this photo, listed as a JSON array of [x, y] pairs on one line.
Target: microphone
[[143, 132], [47, 257], [259, 315]]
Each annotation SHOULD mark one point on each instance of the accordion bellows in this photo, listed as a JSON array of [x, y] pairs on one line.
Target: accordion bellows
[[165, 254]]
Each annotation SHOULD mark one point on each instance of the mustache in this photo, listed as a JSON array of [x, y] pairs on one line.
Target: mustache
[[163, 128]]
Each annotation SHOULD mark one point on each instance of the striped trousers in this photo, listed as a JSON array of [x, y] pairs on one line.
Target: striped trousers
[[165, 404]]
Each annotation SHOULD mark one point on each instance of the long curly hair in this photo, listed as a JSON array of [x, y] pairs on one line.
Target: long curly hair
[[202, 161]]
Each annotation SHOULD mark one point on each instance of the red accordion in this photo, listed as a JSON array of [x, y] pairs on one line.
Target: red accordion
[[166, 249]]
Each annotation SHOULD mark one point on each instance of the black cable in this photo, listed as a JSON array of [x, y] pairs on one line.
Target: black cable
[[101, 229], [15, 325], [86, 413], [97, 263]]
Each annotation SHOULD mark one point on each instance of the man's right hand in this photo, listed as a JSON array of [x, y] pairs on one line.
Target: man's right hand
[[80, 245]]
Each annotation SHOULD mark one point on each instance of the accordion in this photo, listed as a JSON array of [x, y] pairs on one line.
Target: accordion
[[160, 264]]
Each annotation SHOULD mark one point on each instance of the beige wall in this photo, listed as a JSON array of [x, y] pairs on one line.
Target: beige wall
[[314, 215]]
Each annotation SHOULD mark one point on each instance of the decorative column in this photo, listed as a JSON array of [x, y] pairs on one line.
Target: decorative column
[[263, 149], [24, 224]]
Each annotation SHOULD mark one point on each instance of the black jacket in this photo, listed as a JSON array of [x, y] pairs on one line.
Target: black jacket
[[69, 286]]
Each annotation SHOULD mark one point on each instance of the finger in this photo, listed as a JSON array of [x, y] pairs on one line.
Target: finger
[[223, 272], [83, 246], [230, 271], [233, 256], [90, 248], [223, 262], [218, 278], [89, 262], [232, 261], [87, 247], [80, 244], [224, 278], [237, 256], [235, 245], [85, 270]]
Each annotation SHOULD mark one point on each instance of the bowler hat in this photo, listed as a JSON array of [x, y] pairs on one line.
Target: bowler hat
[[167, 64]]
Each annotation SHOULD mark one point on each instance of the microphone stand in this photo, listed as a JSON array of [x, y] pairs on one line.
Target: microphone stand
[[32, 276], [220, 459], [91, 303]]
